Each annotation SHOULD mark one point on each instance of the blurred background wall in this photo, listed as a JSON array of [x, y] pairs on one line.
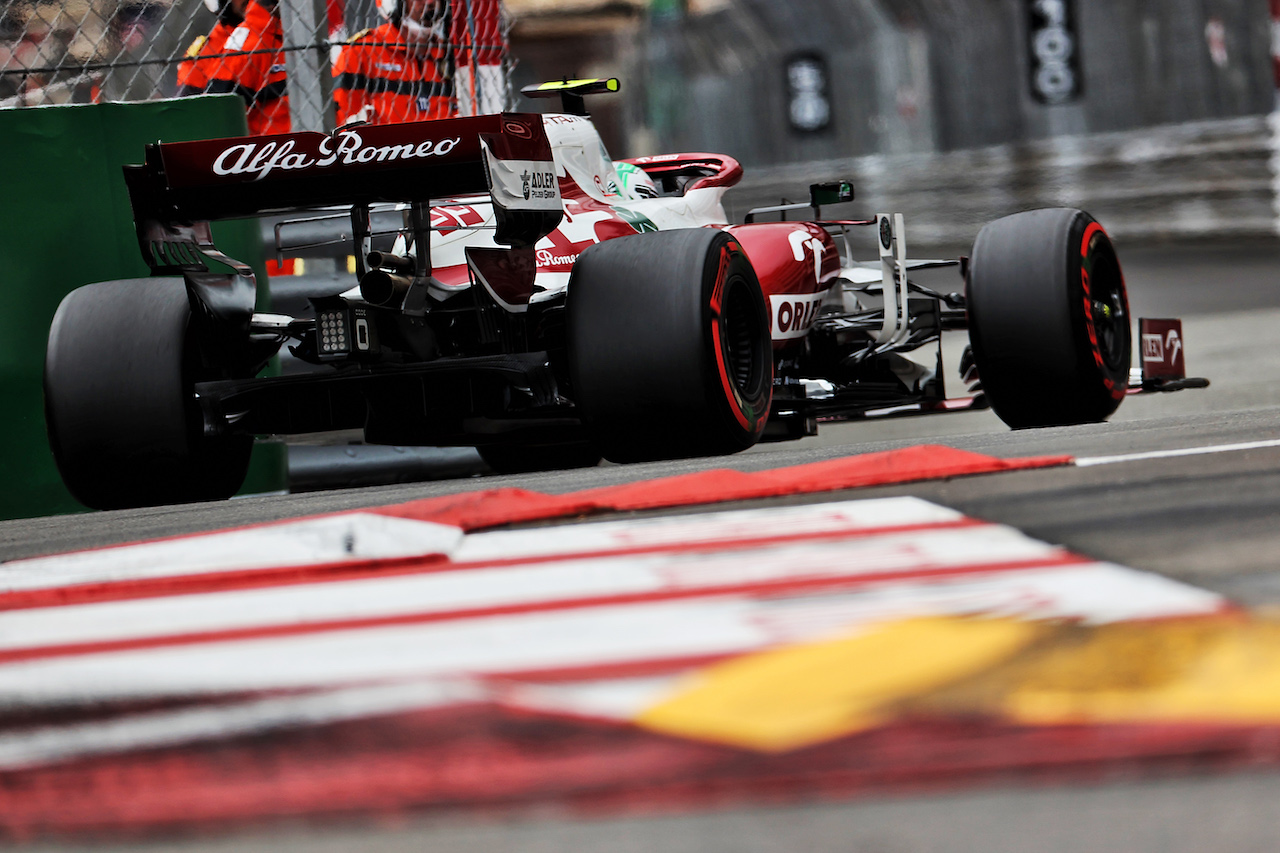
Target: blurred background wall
[[903, 75], [1151, 113]]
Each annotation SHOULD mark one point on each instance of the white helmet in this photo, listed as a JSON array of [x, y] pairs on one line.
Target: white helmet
[[635, 182]]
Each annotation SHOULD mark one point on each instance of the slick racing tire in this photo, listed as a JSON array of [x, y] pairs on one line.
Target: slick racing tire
[[669, 348], [119, 405], [1049, 319], [527, 458]]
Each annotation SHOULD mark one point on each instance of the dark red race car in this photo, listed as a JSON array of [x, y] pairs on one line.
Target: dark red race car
[[550, 307]]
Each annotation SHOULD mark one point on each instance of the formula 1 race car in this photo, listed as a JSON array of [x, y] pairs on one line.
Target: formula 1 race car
[[550, 307]]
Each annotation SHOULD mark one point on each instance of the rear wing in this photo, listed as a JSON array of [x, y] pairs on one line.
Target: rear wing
[[181, 186]]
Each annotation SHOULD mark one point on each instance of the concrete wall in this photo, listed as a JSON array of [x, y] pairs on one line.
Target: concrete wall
[[1205, 179], [924, 75]]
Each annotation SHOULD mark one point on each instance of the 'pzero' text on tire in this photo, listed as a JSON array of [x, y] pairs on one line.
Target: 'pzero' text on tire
[[669, 347], [1049, 319], [119, 404]]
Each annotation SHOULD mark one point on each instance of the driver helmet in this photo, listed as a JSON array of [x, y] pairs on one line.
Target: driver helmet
[[635, 182]]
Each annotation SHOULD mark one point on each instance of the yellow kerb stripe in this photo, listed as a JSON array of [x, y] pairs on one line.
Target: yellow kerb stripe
[[1188, 671], [802, 695]]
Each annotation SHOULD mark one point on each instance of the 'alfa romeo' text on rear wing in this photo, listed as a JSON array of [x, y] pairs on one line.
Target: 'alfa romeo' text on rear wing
[[182, 186]]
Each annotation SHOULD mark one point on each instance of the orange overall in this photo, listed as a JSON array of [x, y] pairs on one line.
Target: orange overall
[[378, 70], [202, 60], [259, 78]]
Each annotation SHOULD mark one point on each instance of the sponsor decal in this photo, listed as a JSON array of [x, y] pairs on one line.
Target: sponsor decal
[[1152, 348], [389, 66], [260, 159], [560, 250], [1162, 350], [539, 184], [523, 184], [548, 258], [793, 314], [516, 129]]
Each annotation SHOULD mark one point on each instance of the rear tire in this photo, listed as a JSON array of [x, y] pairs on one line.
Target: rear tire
[[669, 348], [1049, 319], [119, 405]]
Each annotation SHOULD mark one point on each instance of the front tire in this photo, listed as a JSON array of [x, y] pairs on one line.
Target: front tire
[[119, 404], [1049, 319], [669, 348]]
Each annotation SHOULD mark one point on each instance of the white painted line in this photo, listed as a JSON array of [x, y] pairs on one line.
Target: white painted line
[[351, 537], [617, 635], [614, 699], [218, 722], [368, 670], [1099, 592], [702, 528], [1171, 454], [537, 585], [359, 536]]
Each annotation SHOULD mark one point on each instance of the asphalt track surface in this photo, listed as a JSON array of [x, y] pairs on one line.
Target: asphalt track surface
[[1208, 518]]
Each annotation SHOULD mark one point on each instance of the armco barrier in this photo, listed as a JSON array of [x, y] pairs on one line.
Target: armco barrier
[[1210, 179], [66, 222]]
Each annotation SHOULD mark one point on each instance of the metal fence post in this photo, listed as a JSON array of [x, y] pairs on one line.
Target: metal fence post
[[310, 81]]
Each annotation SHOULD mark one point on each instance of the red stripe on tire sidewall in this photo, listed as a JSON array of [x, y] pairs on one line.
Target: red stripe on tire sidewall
[[717, 305], [1089, 232]]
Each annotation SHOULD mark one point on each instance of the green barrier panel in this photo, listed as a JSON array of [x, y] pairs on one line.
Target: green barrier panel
[[66, 221]]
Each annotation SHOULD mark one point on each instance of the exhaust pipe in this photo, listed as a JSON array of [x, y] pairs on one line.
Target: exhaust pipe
[[388, 261], [384, 289]]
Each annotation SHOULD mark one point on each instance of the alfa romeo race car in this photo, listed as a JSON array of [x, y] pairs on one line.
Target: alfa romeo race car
[[550, 307]]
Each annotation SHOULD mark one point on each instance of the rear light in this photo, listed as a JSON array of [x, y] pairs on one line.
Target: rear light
[[285, 266], [333, 333], [344, 330]]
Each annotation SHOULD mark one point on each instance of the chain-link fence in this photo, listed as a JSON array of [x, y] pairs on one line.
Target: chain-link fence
[[89, 51]]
